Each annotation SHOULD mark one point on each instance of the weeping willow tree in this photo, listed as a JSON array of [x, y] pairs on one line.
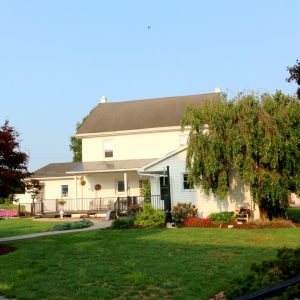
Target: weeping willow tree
[[255, 137]]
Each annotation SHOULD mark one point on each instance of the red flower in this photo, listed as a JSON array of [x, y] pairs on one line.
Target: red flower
[[197, 222], [8, 213]]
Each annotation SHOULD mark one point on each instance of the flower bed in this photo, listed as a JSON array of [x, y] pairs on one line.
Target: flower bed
[[4, 213], [197, 222]]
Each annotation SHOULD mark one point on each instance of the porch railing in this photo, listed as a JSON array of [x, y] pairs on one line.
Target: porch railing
[[102, 204]]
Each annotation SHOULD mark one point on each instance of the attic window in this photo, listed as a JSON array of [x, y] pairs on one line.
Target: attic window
[[108, 149]]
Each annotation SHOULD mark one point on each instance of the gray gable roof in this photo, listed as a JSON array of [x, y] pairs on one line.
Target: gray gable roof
[[54, 170], [69, 168], [110, 166], [140, 114]]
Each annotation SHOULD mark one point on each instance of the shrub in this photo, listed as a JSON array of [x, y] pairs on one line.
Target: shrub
[[146, 191], [73, 225], [294, 214], [150, 217], [285, 266], [182, 211], [197, 222], [223, 217], [12, 207], [123, 223]]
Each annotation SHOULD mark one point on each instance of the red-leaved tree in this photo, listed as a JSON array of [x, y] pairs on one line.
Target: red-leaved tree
[[13, 162]]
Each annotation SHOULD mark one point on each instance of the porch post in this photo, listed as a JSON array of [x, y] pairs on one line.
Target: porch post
[[125, 184], [75, 206]]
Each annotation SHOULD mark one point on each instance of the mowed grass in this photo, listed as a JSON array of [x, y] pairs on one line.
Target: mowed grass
[[21, 226], [187, 263]]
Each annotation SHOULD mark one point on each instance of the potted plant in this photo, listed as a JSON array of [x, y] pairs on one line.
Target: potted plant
[[61, 203]]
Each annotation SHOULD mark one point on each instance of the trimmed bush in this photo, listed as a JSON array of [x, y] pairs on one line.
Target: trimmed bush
[[223, 217], [197, 222], [73, 225], [294, 214], [123, 223], [182, 211], [150, 217], [285, 266], [12, 207]]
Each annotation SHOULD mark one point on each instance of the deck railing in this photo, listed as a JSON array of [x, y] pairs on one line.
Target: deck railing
[[99, 204]]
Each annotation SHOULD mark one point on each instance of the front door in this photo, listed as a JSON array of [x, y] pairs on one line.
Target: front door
[[165, 190]]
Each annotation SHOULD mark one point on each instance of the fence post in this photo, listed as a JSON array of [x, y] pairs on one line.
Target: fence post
[[32, 208]]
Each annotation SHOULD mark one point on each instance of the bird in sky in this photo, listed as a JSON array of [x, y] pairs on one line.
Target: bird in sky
[[149, 27]]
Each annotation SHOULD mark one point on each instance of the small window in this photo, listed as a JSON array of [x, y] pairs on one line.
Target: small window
[[121, 186], [183, 138], [108, 149], [186, 184], [64, 190]]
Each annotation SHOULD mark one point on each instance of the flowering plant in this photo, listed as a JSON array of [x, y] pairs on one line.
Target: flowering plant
[[61, 201], [8, 213], [197, 222], [182, 211], [82, 181]]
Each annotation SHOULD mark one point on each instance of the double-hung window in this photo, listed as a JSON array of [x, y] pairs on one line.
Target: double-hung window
[[64, 190], [108, 149], [186, 184], [120, 186]]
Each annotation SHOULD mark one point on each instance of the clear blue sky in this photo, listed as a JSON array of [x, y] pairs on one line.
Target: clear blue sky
[[58, 57]]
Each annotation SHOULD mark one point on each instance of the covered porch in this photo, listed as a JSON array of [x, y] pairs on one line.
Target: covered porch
[[95, 206], [95, 188]]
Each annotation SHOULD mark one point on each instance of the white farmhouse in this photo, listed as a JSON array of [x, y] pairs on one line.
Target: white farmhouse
[[125, 144]]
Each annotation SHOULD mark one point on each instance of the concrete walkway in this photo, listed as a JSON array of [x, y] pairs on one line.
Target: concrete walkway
[[97, 225]]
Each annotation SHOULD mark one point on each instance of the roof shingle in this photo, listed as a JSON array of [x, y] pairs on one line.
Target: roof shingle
[[140, 114]]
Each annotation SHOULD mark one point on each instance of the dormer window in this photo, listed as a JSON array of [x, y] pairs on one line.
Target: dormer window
[[108, 149]]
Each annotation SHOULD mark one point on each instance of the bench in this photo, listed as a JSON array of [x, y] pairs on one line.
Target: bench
[[242, 214]]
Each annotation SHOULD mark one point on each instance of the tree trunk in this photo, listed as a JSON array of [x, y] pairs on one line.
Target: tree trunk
[[263, 214]]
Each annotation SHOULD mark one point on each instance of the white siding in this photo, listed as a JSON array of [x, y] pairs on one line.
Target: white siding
[[107, 182], [177, 168], [132, 146], [108, 185], [239, 195], [53, 188]]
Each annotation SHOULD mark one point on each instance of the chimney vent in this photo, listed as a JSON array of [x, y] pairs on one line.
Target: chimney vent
[[103, 99]]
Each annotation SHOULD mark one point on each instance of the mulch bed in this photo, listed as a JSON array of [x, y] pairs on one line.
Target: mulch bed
[[6, 249], [255, 226]]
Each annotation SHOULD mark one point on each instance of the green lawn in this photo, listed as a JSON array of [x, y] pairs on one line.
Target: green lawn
[[187, 263], [20, 226]]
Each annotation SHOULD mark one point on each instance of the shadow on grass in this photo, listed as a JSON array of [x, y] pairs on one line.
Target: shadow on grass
[[150, 264]]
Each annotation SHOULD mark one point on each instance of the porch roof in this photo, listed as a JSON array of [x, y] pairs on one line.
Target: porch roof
[[110, 166], [53, 170]]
